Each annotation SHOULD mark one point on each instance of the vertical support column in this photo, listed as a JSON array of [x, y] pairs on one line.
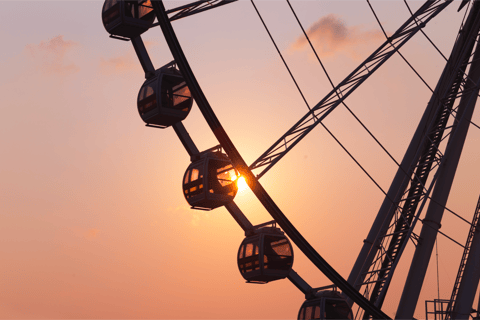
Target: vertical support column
[[394, 194], [409, 161], [446, 174], [478, 310], [469, 283]]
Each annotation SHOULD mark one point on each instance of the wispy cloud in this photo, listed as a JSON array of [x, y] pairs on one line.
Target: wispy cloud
[[330, 35], [196, 216], [91, 233], [119, 64], [125, 62], [149, 44], [50, 56]]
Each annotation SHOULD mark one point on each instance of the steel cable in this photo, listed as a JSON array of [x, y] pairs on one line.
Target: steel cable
[[308, 106], [413, 69], [242, 167], [436, 48], [351, 112]]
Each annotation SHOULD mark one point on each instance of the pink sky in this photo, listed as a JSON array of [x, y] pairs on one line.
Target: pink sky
[[93, 223]]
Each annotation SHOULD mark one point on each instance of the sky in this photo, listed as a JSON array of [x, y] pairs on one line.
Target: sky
[[93, 223]]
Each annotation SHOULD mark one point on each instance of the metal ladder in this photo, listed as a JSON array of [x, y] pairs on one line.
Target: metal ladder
[[466, 252]]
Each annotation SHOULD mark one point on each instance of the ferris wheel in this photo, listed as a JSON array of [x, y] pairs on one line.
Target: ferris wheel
[[423, 179]]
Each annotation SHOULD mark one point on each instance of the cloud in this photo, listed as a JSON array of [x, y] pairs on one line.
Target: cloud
[[125, 62], [119, 64], [50, 56], [149, 44], [330, 35], [196, 216], [91, 233]]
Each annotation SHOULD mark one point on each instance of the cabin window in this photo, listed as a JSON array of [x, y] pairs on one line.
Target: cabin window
[[181, 96], [277, 253], [222, 178], [145, 11], [248, 261], [146, 100], [111, 11], [193, 183], [316, 314], [175, 93], [308, 313], [337, 309]]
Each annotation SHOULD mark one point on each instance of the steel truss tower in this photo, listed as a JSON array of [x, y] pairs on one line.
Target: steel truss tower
[[400, 210]]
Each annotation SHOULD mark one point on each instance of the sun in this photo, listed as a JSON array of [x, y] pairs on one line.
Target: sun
[[242, 184]]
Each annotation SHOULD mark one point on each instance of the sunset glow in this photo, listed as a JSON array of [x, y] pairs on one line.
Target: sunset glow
[[242, 184], [93, 217]]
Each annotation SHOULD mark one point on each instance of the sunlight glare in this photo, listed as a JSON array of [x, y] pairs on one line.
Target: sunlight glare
[[242, 184]]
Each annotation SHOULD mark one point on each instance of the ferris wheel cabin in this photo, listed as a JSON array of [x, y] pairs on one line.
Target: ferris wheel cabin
[[265, 256], [327, 304], [164, 99], [210, 181], [127, 18]]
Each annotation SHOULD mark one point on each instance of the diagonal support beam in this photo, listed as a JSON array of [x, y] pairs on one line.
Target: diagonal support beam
[[195, 7], [306, 124], [416, 164], [242, 167], [447, 169]]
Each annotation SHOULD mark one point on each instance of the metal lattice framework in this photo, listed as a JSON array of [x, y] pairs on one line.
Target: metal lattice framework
[[463, 262], [403, 208], [194, 8], [243, 169], [409, 192], [322, 109]]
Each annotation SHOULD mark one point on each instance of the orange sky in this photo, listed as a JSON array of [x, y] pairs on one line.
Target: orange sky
[[93, 223]]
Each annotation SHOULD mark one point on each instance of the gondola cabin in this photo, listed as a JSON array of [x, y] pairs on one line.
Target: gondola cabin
[[327, 304], [164, 99], [127, 18], [265, 256], [210, 181]]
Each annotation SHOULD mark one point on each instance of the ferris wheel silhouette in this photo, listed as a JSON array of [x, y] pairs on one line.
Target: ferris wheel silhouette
[[423, 179]]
